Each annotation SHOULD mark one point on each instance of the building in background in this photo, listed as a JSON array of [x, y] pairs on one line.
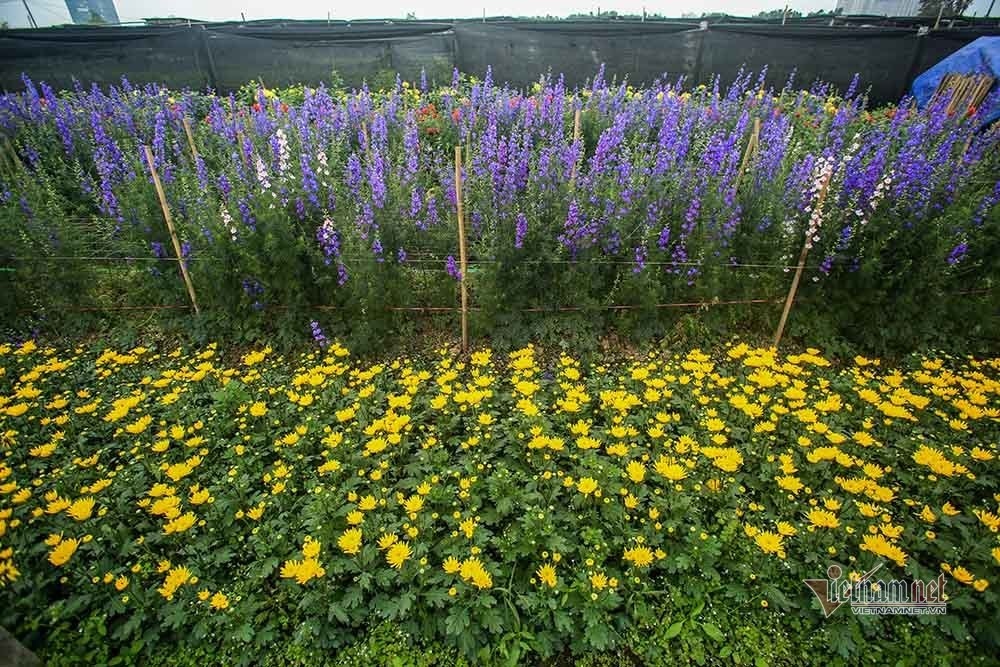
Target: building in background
[[880, 7], [92, 11]]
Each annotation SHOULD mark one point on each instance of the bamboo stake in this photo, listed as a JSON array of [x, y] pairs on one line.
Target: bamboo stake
[[751, 150], [239, 147], [799, 269], [461, 248], [959, 93], [190, 136], [983, 90], [943, 86], [170, 227], [576, 138]]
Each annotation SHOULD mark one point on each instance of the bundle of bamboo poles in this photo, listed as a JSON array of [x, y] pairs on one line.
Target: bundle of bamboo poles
[[966, 90]]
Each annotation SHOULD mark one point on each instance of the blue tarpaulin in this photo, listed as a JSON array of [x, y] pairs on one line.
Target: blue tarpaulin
[[979, 57]]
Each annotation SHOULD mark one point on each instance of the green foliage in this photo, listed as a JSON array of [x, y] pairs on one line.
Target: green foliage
[[546, 510], [263, 260]]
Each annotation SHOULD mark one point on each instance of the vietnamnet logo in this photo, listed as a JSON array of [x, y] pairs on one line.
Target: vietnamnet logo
[[867, 595]]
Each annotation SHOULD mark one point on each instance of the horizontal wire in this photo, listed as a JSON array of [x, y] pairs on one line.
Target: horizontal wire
[[424, 260], [456, 309], [450, 309]]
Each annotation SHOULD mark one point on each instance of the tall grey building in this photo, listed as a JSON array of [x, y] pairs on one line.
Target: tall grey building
[[880, 7], [92, 11]]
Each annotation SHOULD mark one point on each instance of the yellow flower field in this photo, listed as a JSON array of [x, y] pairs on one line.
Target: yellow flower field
[[182, 491]]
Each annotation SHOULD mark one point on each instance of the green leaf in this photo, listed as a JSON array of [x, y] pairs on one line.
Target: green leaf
[[562, 621], [673, 630], [244, 633], [352, 598], [713, 631], [456, 622]]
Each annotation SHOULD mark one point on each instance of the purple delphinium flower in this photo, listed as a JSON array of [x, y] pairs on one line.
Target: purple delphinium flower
[[329, 241], [309, 183], [520, 230], [416, 203], [432, 212], [989, 201], [247, 215], [376, 179], [224, 186], [958, 253], [451, 266], [664, 239], [577, 232], [640, 259], [411, 147], [107, 158], [253, 289], [354, 173], [201, 170], [160, 139], [317, 334]]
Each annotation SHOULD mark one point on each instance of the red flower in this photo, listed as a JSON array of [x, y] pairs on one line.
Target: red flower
[[971, 112], [284, 108], [456, 115], [256, 106], [427, 111]]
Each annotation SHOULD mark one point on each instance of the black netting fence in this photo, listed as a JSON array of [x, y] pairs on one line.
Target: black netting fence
[[888, 56]]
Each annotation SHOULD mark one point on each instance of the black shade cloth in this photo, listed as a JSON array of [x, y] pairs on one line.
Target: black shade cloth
[[887, 53]]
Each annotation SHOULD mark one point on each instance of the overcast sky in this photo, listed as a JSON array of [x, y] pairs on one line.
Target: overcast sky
[[50, 12]]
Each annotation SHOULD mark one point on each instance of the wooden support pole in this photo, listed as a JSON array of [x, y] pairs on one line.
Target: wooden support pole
[[752, 144], [170, 228], [576, 138], [239, 147], [190, 137], [800, 268], [461, 248], [791, 294]]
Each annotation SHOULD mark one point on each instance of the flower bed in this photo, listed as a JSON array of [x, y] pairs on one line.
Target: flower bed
[[346, 201], [494, 503]]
